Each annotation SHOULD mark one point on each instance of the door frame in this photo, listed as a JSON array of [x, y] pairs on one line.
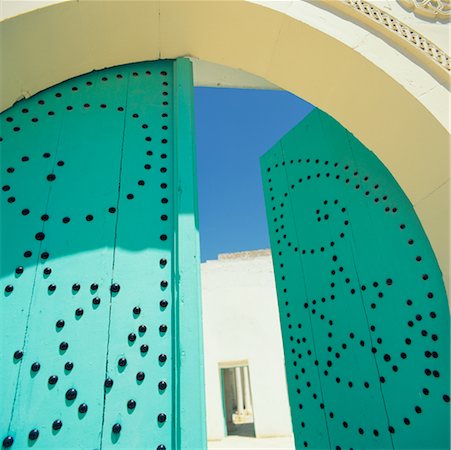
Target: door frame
[[189, 392]]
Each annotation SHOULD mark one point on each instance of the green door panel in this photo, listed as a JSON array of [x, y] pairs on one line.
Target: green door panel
[[138, 262], [89, 189], [363, 310]]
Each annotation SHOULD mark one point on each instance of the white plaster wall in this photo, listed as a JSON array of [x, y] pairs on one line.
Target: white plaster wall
[[241, 322]]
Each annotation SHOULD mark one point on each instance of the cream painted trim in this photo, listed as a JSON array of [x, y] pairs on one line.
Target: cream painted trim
[[49, 45]]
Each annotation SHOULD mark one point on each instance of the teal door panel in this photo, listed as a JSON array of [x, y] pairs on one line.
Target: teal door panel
[[146, 210], [306, 413], [23, 252], [68, 202], [363, 309], [90, 262]]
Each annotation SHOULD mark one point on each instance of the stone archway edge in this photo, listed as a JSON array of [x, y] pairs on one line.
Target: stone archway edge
[[49, 45]]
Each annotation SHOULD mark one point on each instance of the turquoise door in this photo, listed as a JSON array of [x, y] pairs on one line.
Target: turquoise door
[[100, 339], [363, 310]]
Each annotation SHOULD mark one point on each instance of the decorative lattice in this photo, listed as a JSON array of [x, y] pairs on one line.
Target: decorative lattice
[[424, 45]]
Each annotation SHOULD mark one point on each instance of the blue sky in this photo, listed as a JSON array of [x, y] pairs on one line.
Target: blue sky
[[234, 127]]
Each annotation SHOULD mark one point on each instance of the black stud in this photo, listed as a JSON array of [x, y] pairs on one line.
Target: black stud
[[162, 385], [64, 346], [18, 354], [52, 288], [53, 379], [83, 408], [71, 394], [163, 261], [45, 255], [76, 287], [66, 219], [57, 424], [161, 417], [163, 303], [9, 288], [122, 362], [131, 404], [94, 287], [51, 177], [96, 301], [137, 310], [163, 328], [142, 328], [79, 312], [40, 236], [108, 382], [19, 270], [140, 376], [117, 428], [60, 324], [8, 441], [164, 284], [132, 337], [47, 271], [115, 287], [162, 358], [35, 367], [144, 348], [33, 434], [69, 366], [161, 447]]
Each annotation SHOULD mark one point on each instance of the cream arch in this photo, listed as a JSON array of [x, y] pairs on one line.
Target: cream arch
[[46, 46]]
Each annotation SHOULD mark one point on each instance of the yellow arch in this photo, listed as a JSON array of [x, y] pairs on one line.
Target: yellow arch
[[49, 45]]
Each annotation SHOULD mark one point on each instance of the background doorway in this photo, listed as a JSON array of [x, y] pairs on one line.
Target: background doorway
[[237, 401]]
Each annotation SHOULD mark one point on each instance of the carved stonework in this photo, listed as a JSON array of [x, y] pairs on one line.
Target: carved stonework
[[431, 9], [425, 46]]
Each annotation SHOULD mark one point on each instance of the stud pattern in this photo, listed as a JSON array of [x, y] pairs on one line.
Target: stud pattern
[[363, 309], [86, 287]]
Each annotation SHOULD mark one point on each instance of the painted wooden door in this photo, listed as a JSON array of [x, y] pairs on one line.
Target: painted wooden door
[[100, 335], [363, 310]]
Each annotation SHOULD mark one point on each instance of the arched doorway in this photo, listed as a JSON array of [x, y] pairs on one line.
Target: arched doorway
[[102, 216], [262, 40], [387, 148]]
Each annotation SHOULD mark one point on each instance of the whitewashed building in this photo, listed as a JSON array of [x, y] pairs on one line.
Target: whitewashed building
[[245, 382]]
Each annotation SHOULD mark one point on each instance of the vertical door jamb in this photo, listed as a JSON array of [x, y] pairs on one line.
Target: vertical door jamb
[[189, 394]]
